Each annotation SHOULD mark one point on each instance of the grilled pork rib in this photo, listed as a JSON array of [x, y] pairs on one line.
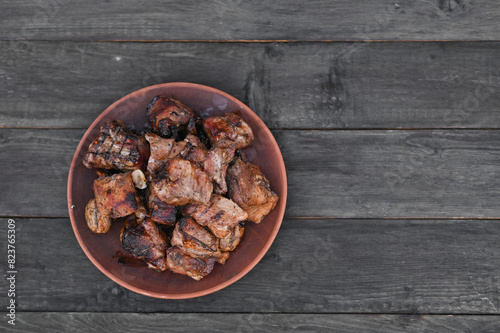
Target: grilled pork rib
[[117, 148], [250, 189]]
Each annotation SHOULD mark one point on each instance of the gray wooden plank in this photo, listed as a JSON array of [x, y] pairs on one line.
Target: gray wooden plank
[[344, 174], [250, 20], [298, 85], [33, 322], [314, 266]]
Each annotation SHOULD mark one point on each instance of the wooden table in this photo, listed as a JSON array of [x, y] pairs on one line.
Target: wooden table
[[388, 117]]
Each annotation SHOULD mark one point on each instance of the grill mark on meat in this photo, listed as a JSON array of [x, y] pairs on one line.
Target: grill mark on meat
[[184, 234]]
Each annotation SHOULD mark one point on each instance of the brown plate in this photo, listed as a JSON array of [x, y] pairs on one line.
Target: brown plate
[[105, 250]]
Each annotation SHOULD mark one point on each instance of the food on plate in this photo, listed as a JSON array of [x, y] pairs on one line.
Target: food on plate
[[231, 241], [220, 215], [168, 115], [115, 195], [180, 182], [183, 188], [144, 240], [228, 130], [117, 148], [194, 267], [97, 222], [195, 240], [250, 189]]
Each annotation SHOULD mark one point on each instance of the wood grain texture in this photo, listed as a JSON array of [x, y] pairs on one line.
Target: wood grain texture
[[250, 20], [303, 85], [195, 322], [314, 266], [340, 174]]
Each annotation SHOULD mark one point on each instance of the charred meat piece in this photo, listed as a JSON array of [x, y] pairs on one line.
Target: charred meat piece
[[161, 212], [194, 150], [168, 115], [181, 182], [231, 241], [216, 164], [162, 150], [117, 148], [97, 222], [115, 195], [195, 240], [228, 130], [145, 241], [221, 215], [181, 263], [250, 189]]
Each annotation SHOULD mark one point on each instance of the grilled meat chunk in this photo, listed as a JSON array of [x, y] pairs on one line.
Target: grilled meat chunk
[[145, 241], [195, 240], [228, 130], [231, 241], [117, 148], [181, 182], [161, 212], [216, 164], [115, 195], [194, 150], [162, 150], [167, 115], [221, 215], [182, 263], [250, 189], [97, 222]]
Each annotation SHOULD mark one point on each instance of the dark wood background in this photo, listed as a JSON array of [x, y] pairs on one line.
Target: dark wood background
[[388, 117]]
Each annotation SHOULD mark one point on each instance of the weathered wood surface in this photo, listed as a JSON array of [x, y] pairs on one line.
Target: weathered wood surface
[[250, 20], [314, 266], [203, 322], [339, 174], [303, 85]]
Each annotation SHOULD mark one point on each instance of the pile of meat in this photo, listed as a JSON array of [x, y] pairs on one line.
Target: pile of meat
[[184, 187]]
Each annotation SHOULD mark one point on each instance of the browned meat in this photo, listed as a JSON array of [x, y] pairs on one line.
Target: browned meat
[[195, 240], [162, 150], [97, 222], [250, 189], [167, 115], [181, 182], [181, 263], [220, 215], [228, 130], [232, 240], [145, 241], [115, 195], [161, 212], [117, 148], [194, 150], [223, 258], [216, 165]]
